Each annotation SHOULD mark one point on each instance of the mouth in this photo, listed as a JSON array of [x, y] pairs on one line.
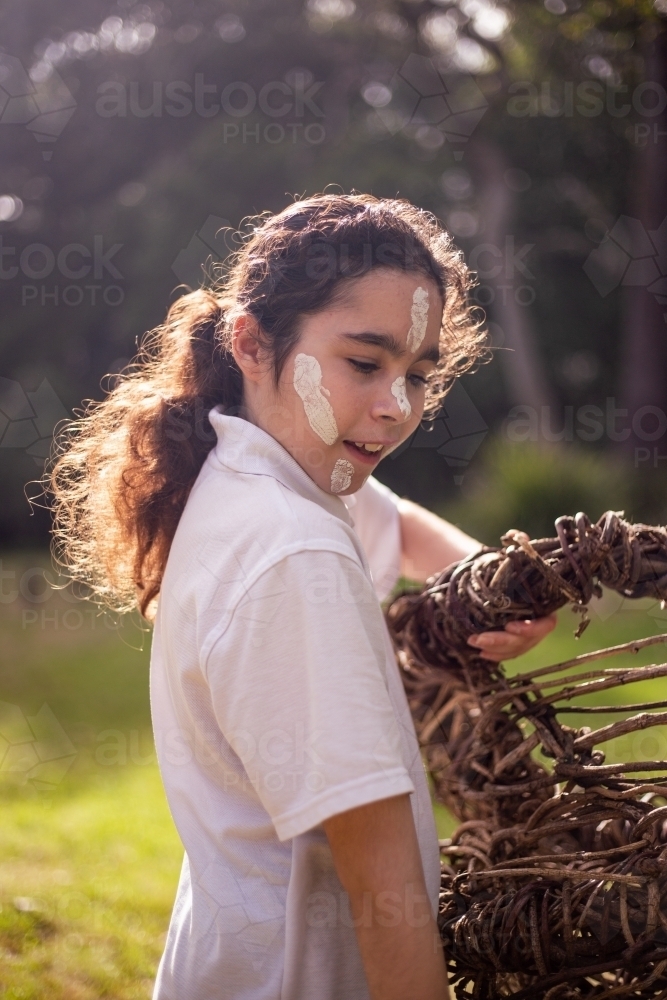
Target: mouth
[[368, 452]]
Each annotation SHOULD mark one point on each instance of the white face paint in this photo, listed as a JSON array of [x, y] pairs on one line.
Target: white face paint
[[341, 475], [398, 391], [308, 384], [419, 318]]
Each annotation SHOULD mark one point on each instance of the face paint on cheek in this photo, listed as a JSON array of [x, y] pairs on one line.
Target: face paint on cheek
[[341, 475], [398, 391], [308, 385], [419, 319]]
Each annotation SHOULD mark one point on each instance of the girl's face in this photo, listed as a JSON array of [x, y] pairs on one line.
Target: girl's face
[[353, 389]]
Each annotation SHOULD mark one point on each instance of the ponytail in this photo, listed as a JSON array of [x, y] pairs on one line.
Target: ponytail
[[123, 471]]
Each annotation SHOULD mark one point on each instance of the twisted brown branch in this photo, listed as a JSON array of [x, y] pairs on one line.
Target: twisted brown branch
[[555, 883]]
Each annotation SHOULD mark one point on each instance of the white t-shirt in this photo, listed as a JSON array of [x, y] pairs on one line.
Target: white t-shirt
[[277, 703]]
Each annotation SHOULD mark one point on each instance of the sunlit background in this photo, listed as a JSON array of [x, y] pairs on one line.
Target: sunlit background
[[136, 138]]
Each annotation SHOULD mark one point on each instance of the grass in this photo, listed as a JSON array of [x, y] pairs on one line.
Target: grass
[[88, 880], [89, 857]]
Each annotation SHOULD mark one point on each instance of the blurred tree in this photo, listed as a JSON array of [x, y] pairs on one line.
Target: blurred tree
[[624, 46], [644, 350], [143, 137], [529, 487]]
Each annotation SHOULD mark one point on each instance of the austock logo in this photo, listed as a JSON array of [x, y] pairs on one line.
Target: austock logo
[[207, 245], [34, 749], [28, 419], [248, 911], [631, 256], [456, 433], [75, 262], [44, 107], [436, 107]]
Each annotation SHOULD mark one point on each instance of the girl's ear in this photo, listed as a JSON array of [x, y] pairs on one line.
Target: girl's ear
[[247, 347]]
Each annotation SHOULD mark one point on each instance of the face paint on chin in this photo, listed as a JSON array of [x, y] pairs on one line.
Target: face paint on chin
[[308, 385], [398, 392], [341, 475], [419, 319]]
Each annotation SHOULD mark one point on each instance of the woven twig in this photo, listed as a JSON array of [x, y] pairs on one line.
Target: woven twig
[[555, 882]]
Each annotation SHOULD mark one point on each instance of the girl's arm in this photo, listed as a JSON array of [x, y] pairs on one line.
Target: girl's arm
[[377, 858], [428, 544]]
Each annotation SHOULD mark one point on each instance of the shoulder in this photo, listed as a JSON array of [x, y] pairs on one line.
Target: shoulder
[[376, 516], [374, 500], [245, 508], [236, 527]]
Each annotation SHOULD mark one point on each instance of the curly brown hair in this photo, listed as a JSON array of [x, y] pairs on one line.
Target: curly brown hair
[[122, 472]]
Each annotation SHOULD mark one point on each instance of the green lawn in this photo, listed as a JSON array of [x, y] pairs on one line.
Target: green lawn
[[89, 857]]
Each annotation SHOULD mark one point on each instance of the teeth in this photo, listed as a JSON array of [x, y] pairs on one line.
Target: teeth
[[367, 447]]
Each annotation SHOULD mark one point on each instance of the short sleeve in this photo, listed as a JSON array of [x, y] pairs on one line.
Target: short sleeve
[[299, 690], [374, 511]]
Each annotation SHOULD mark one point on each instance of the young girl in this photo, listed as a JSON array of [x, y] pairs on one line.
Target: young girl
[[224, 486]]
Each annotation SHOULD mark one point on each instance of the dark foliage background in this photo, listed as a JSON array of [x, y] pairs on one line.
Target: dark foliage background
[[536, 131]]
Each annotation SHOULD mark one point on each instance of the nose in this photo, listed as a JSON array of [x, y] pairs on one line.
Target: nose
[[393, 405]]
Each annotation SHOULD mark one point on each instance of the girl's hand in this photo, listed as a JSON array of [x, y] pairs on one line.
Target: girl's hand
[[517, 638]]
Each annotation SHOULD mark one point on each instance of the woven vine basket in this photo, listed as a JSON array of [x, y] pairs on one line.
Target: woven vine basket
[[554, 885]]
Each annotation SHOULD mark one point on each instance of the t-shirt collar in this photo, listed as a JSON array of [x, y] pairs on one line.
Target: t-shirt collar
[[246, 448]]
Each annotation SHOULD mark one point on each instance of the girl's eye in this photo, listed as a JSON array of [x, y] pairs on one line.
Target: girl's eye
[[365, 367], [417, 380]]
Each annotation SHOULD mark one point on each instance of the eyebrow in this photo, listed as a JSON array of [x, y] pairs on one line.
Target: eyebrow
[[387, 342]]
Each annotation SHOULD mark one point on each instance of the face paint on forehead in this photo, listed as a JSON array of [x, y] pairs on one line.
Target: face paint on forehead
[[341, 475], [419, 319], [308, 385], [399, 393]]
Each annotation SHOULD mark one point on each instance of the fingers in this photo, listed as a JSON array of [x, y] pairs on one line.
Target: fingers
[[517, 638], [498, 646], [535, 629]]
